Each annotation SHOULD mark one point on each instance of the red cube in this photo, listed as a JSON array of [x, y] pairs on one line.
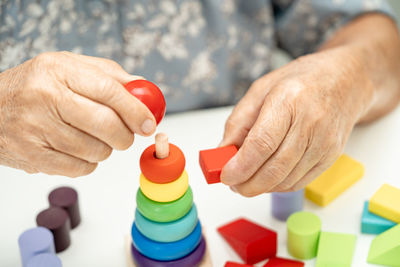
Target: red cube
[[213, 160], [252, 242]]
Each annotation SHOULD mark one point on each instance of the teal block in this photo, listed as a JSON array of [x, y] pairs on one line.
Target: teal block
[[374, 224]]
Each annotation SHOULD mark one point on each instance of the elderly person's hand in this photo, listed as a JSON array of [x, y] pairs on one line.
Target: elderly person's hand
[[294, 122], [61, 113]]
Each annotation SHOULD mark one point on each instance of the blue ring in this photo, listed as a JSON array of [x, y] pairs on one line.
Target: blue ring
[[166, 251], [169, 231]]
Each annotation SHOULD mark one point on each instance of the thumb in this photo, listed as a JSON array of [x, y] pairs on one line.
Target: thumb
[[245, 114]]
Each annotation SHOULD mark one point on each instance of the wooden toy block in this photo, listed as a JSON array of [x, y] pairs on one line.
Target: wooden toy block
[[66, 198], [335, 249], [235, 264], [213, 160], [372, 223], [164, 192], [252, 242], [303, 230], [285, 204], [334, 181], [35, 241], [57, 221], [44, 260], [385, 248], [386, 203], [281, 262]]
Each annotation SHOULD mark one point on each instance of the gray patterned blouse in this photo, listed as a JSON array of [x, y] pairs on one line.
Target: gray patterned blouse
[[201, 53]]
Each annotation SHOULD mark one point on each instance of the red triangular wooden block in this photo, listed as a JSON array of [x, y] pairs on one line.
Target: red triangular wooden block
[[252, 242], [234, 264], [281, 262]]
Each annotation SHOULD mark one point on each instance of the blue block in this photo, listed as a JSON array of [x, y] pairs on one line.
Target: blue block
[[44, 260], [35, 241], [374, 224], [285, 204]]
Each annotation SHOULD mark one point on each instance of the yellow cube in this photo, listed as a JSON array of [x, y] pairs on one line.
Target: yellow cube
[[386, 203], [334, 181]]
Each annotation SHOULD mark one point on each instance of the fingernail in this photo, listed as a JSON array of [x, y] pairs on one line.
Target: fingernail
[[148, 126], [233, 188]]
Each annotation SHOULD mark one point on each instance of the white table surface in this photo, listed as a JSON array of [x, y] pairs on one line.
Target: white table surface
[[107, 196]]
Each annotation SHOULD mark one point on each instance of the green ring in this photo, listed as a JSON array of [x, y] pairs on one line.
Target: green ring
[[164, 211]]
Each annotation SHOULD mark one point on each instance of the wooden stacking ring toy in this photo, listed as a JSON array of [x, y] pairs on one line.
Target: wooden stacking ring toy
[[193, 259], [166, 251], [164, 211], [164, 192], [168, 231], [164, 170]]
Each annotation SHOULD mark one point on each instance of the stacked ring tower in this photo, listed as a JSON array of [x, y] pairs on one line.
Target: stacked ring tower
[[166, 230]]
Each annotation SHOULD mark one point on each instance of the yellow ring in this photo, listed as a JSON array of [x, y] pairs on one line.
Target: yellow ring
[[164, 192]]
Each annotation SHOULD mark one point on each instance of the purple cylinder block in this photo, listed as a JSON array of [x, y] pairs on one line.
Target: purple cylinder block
[[66, 198], [57, 221], [44, 260], [284, 204], [35, 241]]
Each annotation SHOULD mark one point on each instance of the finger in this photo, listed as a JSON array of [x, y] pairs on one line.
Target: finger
[[310, 158], [313, 173], [53, 162], [76, 143], [245, 114], [96, 85], [108, 66], [95, 119], [263, 140], [277, 167]]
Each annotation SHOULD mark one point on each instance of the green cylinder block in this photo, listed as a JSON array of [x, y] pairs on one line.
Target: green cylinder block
[[303, 234]]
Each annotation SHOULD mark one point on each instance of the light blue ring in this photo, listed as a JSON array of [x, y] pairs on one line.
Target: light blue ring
[[168, 231], [166, 251]]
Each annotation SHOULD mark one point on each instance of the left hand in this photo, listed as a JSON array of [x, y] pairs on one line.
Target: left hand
[[293, 123]]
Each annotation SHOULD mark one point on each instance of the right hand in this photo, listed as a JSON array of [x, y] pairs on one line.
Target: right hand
[[61, 113]]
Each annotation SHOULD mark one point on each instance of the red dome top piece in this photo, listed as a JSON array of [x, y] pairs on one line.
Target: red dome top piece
[[150, 95], [164, 170]]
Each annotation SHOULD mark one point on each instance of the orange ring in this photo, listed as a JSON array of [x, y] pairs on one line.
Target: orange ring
[[165, 170]]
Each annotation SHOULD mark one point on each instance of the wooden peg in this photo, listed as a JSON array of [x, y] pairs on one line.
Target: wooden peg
[[162, 145]]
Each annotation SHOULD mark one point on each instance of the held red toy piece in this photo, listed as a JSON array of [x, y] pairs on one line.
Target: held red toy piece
[[281, 262], [234, 264], [148, 93], [164, 170], [213, 160], [252, 242]]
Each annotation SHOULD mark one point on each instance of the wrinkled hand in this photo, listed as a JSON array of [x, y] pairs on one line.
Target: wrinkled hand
[[61, 113], [294, 122]]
